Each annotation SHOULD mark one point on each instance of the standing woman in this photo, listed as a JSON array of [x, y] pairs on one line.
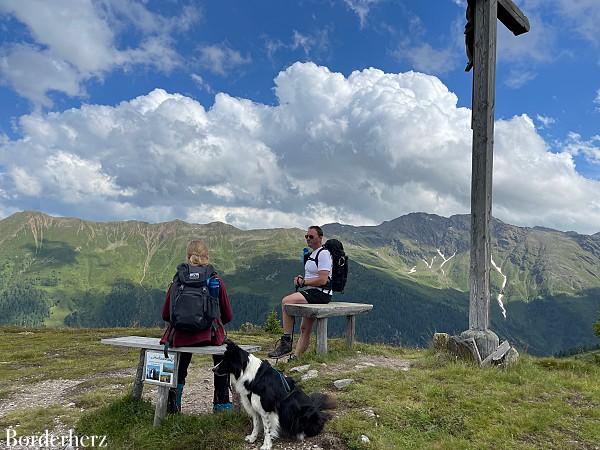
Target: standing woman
[[197, 258]]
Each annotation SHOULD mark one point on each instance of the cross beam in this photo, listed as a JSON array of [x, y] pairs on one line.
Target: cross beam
[[512, 17]]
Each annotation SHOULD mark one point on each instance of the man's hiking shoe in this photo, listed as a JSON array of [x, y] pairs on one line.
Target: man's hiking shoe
[[283, 347], [222, 407]]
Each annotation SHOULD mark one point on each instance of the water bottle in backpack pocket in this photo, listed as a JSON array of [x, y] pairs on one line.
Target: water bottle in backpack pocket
[[213, 286]]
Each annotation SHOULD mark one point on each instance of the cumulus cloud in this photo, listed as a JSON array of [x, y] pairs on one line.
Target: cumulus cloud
[[359, 149], [575, 145], [74, 41]]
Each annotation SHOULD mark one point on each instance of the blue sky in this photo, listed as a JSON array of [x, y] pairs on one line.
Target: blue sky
[[241, 111]]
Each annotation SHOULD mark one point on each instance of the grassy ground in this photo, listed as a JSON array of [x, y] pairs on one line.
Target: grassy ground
[[437, 404]]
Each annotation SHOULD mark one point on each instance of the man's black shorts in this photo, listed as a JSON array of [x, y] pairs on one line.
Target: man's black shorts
[[316, 296]]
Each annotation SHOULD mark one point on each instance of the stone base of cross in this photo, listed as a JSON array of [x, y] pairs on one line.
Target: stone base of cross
[[487, 341]]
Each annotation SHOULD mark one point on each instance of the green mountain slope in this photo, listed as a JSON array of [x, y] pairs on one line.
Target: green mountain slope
[[414, 269]]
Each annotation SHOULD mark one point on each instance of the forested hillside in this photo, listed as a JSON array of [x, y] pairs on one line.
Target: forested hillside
[[414, 269]]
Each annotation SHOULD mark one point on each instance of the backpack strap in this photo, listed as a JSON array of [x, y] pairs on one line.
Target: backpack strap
[[169, 342], [326, 286], [316, 258]]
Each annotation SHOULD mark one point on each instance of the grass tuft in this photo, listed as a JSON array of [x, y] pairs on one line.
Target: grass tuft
[[129, 424]]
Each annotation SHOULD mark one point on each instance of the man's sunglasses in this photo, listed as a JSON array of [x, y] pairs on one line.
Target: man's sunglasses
[[309, 236]]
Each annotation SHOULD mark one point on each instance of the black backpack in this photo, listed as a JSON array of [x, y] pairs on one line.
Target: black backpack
[[339, 268], [192, 307]]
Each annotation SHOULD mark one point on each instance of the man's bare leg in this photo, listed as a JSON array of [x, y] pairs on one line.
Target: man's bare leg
[[288, 321], [285, 345], [305, 331]]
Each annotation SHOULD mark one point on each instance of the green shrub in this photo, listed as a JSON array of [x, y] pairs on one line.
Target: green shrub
[[272, 324]]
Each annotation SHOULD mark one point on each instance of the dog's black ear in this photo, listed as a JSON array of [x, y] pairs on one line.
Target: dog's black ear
[[227, 341]]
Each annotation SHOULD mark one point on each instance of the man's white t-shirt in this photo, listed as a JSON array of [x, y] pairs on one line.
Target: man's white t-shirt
[[311, 270]]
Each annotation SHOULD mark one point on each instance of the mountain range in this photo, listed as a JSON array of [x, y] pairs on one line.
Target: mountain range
[[57, 271]]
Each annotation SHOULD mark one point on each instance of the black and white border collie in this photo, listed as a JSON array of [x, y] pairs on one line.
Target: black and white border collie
[[268, 397]]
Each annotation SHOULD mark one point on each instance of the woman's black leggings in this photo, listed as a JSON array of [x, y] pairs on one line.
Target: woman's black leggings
[[221, 394]]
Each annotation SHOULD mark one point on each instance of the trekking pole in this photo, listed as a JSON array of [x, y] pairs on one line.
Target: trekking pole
[[293, 326], [294, 317]]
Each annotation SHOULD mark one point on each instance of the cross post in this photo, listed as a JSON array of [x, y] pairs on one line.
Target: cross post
[[483, 53]]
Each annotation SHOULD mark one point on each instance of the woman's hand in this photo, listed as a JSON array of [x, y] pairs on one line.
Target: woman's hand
[[299, 281]]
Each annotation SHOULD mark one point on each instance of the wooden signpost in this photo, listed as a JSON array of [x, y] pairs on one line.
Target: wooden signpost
[[482, 50]]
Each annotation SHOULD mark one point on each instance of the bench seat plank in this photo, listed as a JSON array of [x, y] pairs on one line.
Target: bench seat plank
[[332, 309], [154, 344]]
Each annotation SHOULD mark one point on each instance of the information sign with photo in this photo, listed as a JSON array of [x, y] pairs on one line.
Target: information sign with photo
[[160, 370]]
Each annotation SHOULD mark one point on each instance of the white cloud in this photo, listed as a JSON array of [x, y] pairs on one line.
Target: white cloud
[[517, 78], [272, 46], [582, 17], [74, 41], [576, 145], [301, 40], [313, 44], [220, 59], [361, 8], [597, 100], [21, 66], [538, 46], [546, 121], [423, 57], [201, 83], [359, 149], [24, 183]]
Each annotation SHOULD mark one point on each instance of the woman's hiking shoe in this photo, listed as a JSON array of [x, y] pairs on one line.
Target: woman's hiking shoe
[[222, 407], [172, 407], [174, 399], [283, 347]]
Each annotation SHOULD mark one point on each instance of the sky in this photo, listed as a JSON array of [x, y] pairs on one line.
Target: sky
[[277, 113]]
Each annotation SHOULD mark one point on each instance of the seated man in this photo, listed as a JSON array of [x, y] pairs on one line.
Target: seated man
[[317, 281]]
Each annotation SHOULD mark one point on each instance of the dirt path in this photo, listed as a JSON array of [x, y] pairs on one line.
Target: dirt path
[[197, 397]]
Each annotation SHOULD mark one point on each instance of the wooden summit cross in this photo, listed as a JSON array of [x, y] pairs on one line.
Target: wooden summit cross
[[481, 34]]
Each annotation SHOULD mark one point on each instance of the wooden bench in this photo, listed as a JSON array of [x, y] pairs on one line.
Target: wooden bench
[[147, 343], [323, 312]]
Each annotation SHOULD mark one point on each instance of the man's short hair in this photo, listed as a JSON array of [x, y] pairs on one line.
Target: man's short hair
[[318, 229]]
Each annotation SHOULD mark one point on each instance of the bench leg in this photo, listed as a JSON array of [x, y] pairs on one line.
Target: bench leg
[[138, 384], [322, 335], [160, 411], [350, 327]]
